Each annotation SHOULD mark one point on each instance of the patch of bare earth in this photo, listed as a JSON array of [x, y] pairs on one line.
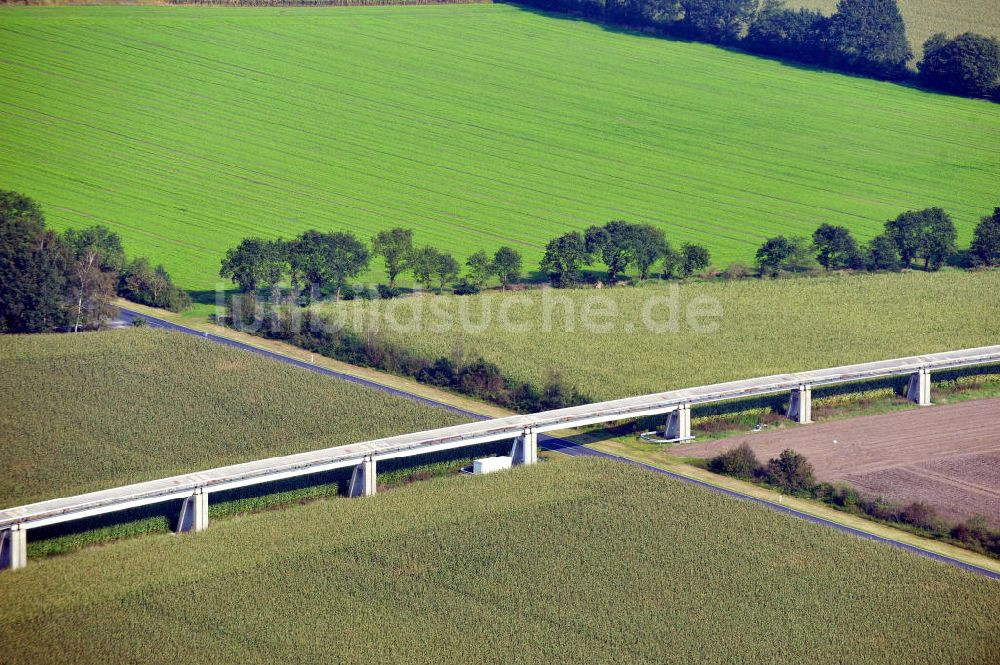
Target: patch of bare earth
[[947, 456]]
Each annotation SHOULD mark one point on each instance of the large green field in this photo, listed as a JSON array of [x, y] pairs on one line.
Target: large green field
[[564, 562], [95, 410], [188, 128], [925, 17], [616, 342]]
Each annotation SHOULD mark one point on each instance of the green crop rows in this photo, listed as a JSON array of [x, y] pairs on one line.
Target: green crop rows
[[188, 128], [95, 410], [763, 327], [568, 561]]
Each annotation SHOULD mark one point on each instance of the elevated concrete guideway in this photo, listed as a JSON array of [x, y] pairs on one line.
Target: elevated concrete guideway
[[194, 488]]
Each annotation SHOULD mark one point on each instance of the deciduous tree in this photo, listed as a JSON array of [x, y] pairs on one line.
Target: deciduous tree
[[968, 65], [693, 258], [882, 254], [564, 256], [836, 248], [985, 248], [480, 269], [255, 263], [328, 260], [396, 247], [34, 267], [506, 266], [869, 37], [650, 246], [937, 241]]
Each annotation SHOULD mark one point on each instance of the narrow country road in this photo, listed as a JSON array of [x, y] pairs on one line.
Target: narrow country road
[[544, 441]]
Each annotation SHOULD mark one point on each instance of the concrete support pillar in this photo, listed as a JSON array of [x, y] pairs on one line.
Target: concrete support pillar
[[13, 547], [525, 449], [919, 388], [679, 424], [194, 512], [364, 481], [800, 404]]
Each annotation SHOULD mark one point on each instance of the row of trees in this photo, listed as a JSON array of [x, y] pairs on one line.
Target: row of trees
[[619, 245], [862, 36], [68, 281], [327, 261], [928, 235], [791, 472]]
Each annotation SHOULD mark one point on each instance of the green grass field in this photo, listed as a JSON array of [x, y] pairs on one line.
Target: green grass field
[[187, 128], [764, 327], [569, 561], [95, 410], [925, 17]]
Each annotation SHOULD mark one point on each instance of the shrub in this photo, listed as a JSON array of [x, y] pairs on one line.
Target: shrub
[[388, 292], [791, 471], [741, 462], [736, 271], [920, 515], [465, 288]]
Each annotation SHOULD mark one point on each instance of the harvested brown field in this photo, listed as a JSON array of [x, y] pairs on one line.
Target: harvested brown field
[[947, 456]]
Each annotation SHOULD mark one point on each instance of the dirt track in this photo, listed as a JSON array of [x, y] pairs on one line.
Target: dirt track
[[947, 456]]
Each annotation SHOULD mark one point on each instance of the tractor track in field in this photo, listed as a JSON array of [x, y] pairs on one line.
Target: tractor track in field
[[547, 442]]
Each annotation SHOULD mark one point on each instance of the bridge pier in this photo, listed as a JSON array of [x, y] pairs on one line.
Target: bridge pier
[[13, 547], [364, 480], [800, 404], [919, 388], [678, 426], [525, 448], [194, 512]]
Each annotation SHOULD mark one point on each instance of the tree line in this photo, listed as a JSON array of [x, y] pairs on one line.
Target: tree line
[[324, 262], [68, 281], [926, 235], [866, 37]]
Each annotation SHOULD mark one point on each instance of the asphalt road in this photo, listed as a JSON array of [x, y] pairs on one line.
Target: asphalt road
[[544, 441]]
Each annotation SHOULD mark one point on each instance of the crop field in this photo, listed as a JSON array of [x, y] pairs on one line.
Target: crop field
[[630, 341], [925, 17], [85, 412], [186, 129], [569, 561]]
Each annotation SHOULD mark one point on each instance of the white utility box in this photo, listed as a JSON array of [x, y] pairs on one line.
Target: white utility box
[[491, 464]]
